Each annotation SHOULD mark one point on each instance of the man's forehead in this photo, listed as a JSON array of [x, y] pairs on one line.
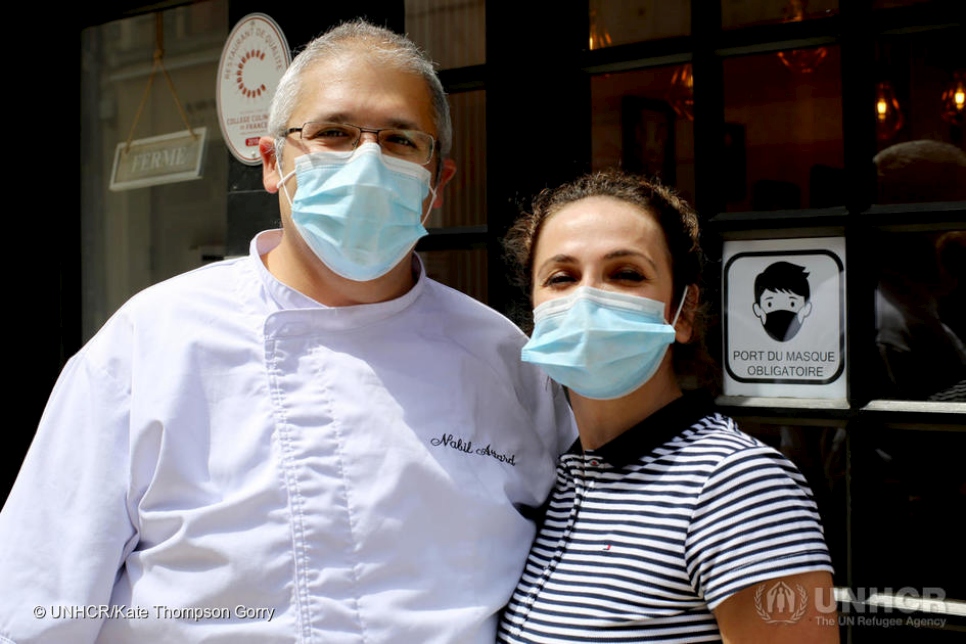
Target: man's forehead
[[348, 80]]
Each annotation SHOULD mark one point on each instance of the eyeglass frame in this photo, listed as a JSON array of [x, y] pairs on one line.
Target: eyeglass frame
[[363, 130]]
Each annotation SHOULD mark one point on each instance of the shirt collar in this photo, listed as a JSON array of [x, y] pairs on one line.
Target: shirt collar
[[658, 428], [287, 298]]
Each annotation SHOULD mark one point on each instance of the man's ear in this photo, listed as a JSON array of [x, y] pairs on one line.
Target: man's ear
[[684, 328], [447, 172], [270, 170]]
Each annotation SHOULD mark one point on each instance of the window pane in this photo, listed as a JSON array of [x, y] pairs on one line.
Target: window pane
[[134, 238], [908, 501], [920, 317], [464, 199], [740, 13], [819, 453], [451, 32], [920, 111], [889, 4], [635, 126], [619, 23], [464, 270], [784, 115]]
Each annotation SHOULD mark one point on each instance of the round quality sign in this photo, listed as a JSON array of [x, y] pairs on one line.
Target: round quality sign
[[255, 56]]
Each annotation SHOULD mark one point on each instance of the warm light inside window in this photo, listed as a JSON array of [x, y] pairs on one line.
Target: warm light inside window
[[954, 100], [888, 114]]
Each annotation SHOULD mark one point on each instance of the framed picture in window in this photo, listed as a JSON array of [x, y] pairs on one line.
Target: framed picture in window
[[647, 132]]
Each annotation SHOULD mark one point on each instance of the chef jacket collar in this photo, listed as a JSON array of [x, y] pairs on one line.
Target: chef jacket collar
[[287, 298]]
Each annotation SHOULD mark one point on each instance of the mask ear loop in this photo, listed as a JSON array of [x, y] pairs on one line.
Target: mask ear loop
[[684, 297], [283, 178], [429, 211]]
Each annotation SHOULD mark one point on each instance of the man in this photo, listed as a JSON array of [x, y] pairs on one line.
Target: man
[[923, 357], [315, 443]]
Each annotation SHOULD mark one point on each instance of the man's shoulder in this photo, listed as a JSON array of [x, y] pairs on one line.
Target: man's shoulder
[[449, 301], [204, 285], [211, 287], [459, 303]]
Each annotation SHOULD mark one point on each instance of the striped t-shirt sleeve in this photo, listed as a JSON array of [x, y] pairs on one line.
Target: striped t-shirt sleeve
[[755, 520]]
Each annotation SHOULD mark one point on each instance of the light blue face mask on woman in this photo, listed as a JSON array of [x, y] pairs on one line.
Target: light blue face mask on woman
[[600, 344], [361, 212]]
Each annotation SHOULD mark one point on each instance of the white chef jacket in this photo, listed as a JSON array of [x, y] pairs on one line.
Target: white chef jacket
[[229, 461]]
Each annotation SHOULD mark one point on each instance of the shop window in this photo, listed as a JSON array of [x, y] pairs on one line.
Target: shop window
[[819, 453], [920, 321], [464, 270], [639, 123], [135, 237], [891, 4], [451, 32], [741, 13], [783, 121], [908, 500], [920, 113], [464, 200], [619, 23]]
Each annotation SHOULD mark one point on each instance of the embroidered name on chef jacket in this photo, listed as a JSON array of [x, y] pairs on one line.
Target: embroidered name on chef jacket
[[453, 442]]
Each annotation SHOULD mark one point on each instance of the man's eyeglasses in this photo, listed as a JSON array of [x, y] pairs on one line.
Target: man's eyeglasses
[[411, 145]]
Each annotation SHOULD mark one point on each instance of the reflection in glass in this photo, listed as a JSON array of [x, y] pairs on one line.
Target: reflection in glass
[[135, 238], [891, 4], [908, 501], [954, 100], [920, 324], [451, 32], [803, 61], [681, 92], [635, 128], [924, 70], [819, 453], [785, 130], [740, 13], [598, 33], [464, 270], [888, 114], [922, 170], [464, 198], [630, 21]]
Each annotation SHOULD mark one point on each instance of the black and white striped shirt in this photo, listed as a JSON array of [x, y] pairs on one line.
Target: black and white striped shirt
[[646, 535]]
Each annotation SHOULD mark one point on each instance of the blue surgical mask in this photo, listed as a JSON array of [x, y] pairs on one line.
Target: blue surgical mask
[[600, 344], [361, 212]]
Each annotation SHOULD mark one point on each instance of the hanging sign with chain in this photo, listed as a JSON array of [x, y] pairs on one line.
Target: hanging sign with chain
[[167, 158]]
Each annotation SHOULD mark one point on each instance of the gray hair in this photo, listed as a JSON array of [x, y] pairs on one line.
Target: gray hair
[[380, 44]]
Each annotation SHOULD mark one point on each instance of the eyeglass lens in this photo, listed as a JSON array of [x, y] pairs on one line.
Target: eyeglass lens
[[411, 145]]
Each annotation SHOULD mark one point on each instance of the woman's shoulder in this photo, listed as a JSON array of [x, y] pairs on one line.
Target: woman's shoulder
[[719, 432], [716, 443]]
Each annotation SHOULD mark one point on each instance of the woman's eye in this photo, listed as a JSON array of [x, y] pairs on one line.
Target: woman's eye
[[628, 275], [558, 279]]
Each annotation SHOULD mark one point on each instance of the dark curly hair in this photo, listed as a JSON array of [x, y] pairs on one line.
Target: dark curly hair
[[692, 363]]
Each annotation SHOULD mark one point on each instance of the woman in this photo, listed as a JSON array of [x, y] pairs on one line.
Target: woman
[[667, 523]]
